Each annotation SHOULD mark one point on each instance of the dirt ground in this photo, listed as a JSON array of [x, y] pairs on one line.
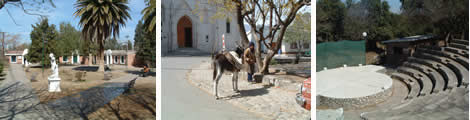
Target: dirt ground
[[68, 84], [138, 104]]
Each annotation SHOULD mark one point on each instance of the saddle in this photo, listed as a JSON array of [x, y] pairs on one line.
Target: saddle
[[233, 58]]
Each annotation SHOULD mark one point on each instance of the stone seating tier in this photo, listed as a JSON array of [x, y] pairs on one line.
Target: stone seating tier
[[459, 46], [459, 70], [426, 107], [425, 81], [413, 88], [456, 57], [458, 41], [457, 51], [436, 77], [449, 76]]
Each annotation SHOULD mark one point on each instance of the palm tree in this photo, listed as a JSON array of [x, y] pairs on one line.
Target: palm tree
[[99, 19], [149, 15]]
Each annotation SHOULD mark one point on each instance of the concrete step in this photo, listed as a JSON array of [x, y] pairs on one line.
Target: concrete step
[[456, 57], [459, 41], [457, 51], [436, 77], [449, 76], [425, 81], [459, 70], [409, 109], [413, 85]]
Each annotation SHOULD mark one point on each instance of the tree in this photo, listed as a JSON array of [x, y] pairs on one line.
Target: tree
[[129, 45], [11, 41], [299, 33], [144, 44], [444, 18], [139, 36], [275, 15], [112, 44], [99, 19], [330, 20], [68, 40], [43, 42], [149, 15]]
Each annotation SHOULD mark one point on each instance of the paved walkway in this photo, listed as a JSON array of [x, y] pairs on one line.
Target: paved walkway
[[266, 101], [25, 104], [16, 95], [182, 101]]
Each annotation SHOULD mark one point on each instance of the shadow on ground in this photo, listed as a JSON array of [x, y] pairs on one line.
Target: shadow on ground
[[86, 68], [137, 72], [249, 93]]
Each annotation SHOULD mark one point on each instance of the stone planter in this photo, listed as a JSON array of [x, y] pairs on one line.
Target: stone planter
[[258, 77]]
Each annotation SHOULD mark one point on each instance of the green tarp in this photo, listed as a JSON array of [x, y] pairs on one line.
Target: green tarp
[[336, 54]]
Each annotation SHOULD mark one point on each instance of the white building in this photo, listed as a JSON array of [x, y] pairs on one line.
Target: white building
[[187, 24]]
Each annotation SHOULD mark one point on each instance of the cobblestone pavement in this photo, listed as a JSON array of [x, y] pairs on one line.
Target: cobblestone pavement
[[267, 101]]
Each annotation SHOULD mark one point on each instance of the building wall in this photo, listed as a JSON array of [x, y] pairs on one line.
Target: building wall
[[130, 59], [207, 33], [19, 59], [286, 49]]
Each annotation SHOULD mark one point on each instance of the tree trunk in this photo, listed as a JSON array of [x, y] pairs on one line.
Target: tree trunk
[[241, 26], [258, 54], [101, 59], [264, 69]]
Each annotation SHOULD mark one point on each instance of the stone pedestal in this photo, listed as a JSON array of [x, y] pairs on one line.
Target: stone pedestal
[[54, 84]]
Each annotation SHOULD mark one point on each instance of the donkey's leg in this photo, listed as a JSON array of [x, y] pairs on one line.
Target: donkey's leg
[[236, 81], [216, 80], [234, 77]]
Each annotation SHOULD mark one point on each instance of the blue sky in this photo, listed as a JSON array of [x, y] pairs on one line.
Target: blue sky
[[63, 12]]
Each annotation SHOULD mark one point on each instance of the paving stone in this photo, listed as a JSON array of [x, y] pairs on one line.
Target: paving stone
[[269, 101]]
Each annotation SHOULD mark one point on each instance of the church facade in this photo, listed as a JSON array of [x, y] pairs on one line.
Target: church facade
[[188, 24]]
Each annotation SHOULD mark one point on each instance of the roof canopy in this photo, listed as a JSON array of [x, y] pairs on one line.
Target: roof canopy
[[410, 39]]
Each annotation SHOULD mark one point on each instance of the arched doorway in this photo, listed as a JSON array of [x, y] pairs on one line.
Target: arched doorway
[[185, 32]]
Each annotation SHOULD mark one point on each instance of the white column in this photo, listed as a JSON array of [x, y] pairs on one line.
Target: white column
[[78, 59]]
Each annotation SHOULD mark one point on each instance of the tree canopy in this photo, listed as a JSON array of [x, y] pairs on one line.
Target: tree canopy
[[337, 20], [43, 42]]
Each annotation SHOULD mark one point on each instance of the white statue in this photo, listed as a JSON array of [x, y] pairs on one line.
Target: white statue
[[54, 67], [54, 79]]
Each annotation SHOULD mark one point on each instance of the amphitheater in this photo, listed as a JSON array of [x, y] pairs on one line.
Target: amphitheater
[[431, 84]]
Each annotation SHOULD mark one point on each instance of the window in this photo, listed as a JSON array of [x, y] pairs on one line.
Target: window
[[65, 59], [115, 59], [13, 59], [228, 26], [122, 60], [293, 46]]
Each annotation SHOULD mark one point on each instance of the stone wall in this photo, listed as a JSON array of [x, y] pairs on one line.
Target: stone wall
[[353, 103]]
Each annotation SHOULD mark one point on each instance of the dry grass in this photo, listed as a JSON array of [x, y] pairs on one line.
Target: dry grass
[[138, 104]]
